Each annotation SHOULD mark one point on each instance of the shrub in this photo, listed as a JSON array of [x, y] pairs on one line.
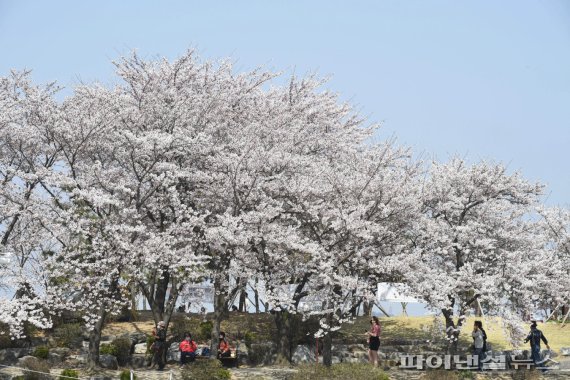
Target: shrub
[[205, 370], [68, 335], [37, 366], [205, 330], [149, 341], [122, 350], [108, 349], [249, 337], [340, 372], [68, 373], [126, 375], [41, 352]]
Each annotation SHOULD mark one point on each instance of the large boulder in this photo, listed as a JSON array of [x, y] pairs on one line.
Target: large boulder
[[140, 348], [54, 359], [173, 353], [11, 355], [61, 351], [108, 361], [28, 361], [303, 354], [138, 361]]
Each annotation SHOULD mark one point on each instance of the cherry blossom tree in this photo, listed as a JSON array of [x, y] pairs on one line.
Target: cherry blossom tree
[[474, 242]]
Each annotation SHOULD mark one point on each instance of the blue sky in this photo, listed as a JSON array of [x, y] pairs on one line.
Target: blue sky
[[482, 79]]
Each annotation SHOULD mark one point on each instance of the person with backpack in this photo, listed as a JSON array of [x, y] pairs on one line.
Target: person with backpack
[[535, 336], [187, 349], [479, 343]]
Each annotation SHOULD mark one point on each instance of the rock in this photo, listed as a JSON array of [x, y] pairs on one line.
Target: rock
[[173, 353], [108, 361], [77, 360], [303, 354], [27, 360], [138, 361], [8, 356], [54, 359], [140, 348], [62, 351], [138, 337], [565, 351]]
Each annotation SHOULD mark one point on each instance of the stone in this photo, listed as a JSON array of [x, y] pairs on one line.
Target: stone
[[138, 361], [62, 351], [78, 360], [565, 351], [140, 348], [108, 361], [8, 356], [173, 353], [303, 354], [27, 360], [54, 358], [138, 337]]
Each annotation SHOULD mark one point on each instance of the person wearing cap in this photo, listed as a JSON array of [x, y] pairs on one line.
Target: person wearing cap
[[160, 345], [187, 349], [535, 336]]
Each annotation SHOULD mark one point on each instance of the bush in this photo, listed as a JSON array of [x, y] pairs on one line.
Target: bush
[[122, 350], [108, 349], [340, 372], [441, 374], [149, 341], [205, 330], [210, 369], [126, 375], [41, 352], [249, 337], [68, 373], [68, 335], [38, 366]]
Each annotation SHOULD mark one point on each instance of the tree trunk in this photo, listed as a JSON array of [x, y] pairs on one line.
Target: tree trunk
[[160, 293], [95, 339], [242, 300], [367, 308], [327, 343], [452, 331], [283, 324], [220, 306]]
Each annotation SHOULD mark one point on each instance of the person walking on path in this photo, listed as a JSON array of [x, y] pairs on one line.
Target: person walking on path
[[479, 343], [373, 341], [535, 336]]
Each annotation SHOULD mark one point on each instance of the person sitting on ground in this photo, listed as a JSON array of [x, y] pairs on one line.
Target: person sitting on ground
[[187, 349], [223, 347]]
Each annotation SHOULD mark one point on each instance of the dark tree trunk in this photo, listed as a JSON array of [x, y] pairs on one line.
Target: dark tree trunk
[[160, 293], [95, 339], [327, 343], [220, 312], [283, 324], [242, 300]]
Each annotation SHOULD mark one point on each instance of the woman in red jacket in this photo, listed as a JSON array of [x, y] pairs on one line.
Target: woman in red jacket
[[223, 347], [187, 349]]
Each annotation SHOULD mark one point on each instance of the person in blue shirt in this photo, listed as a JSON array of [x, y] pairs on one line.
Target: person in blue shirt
[[534, 337]]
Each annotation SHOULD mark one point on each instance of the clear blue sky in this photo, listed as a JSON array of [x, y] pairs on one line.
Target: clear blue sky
[[485, 79]]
